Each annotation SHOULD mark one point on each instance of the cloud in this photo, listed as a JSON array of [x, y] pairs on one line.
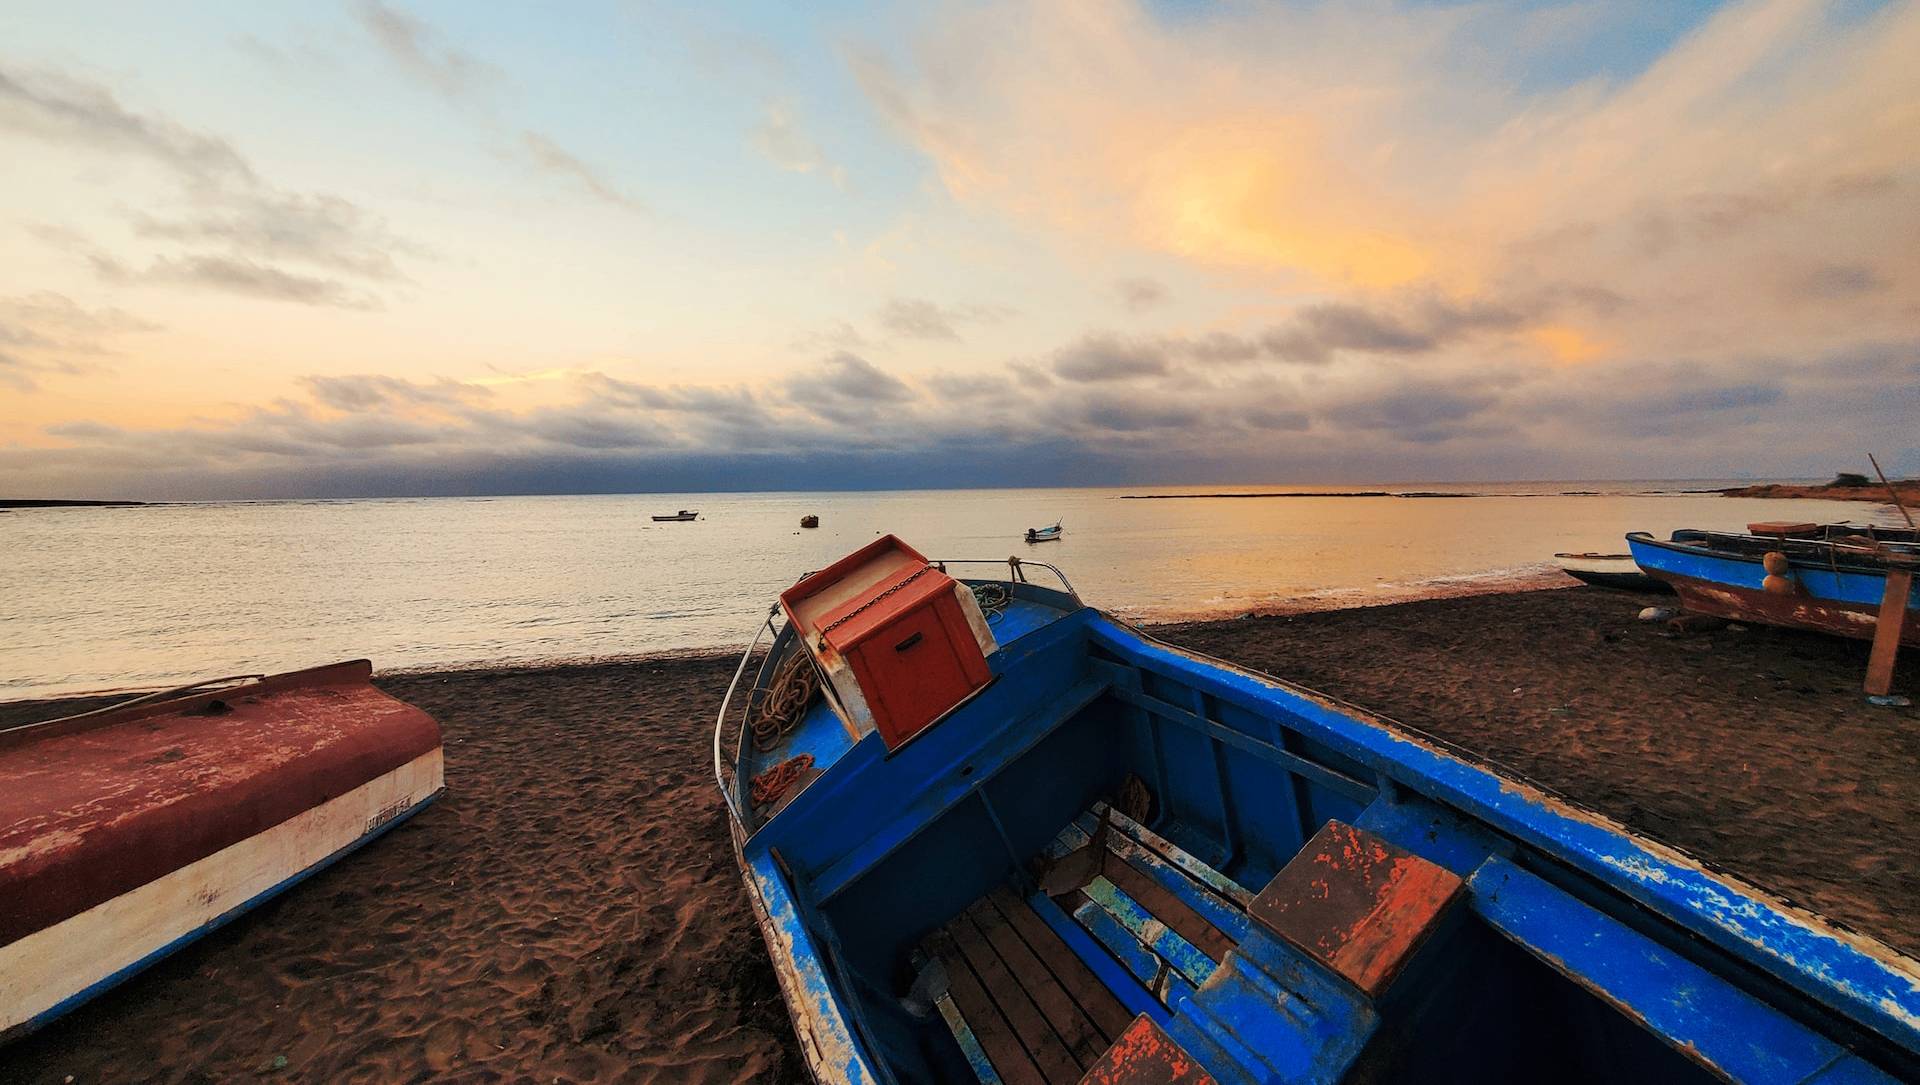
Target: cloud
[[225, 202], [780, 137], [1768, 146], [237, 275], [47, 334], [1140, 293], [847, 422], [1099, 358], [558, 161], [68, 112], [415, 47], [367, 391], [918, 318], [322, 230], [847, 388]]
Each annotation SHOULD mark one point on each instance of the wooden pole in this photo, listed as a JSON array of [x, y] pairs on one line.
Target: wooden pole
[[1891, 492], [1886, 632]]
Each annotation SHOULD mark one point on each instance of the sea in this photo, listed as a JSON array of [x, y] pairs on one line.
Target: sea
[[153, 596]]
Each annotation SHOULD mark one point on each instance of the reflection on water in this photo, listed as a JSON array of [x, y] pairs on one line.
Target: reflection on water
[[93, 598]]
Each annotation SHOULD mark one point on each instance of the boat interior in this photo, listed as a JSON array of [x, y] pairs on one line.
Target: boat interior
[[1120, 855], [1838, 545]]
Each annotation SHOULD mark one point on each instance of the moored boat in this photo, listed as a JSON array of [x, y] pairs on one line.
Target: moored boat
[[1616, 571], [129, 832], [1044, 534], [681, 517], [1834, 584], [1103, 858]]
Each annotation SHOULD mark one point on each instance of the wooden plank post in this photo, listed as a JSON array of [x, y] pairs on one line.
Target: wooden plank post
[[1886, 633]]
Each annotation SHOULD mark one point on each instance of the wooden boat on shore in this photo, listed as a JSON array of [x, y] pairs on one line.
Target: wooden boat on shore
[[129, 832], [1616, 571], [684, 516], [1832, 584], [1035, 844], [1044, 534]]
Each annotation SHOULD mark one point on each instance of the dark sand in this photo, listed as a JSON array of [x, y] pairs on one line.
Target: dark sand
[[570, 912]]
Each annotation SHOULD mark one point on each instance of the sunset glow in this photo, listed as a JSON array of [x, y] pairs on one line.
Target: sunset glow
[[385, 248]]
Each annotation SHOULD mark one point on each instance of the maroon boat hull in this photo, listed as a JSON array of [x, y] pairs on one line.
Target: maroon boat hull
[[1797, 611]]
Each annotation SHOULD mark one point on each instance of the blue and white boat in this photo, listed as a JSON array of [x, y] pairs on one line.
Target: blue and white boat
[[1116, 860], [1834, 584], [1044, 534]]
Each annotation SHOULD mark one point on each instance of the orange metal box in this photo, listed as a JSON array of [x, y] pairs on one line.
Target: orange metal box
[[901, 641]]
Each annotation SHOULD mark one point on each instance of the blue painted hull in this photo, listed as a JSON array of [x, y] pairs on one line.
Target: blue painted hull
[[1829, 596], [1569, 948]]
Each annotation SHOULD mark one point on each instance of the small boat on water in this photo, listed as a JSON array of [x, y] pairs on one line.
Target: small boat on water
[[1044, 534], [991, 834], [1833, 579], [1616, 571], [128, 832], [681, 517]]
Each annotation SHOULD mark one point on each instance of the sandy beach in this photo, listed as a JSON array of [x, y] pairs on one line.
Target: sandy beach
[[569, 911]]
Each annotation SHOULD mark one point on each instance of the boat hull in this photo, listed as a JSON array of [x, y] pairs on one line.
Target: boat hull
[[128, 836], [869, 880], [1841, 601]]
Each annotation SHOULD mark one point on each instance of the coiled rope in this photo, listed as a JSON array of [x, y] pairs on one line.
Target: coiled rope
[[993, 599], [788, 694]]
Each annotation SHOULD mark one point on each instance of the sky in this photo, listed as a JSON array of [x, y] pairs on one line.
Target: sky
[[392, 247]]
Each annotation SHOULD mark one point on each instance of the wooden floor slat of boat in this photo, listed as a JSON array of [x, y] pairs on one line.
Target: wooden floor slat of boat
[[1009, 1057], [1092, 996], [1048, 1052], [1167, 908], [1037, 1009], [1069, 1021]]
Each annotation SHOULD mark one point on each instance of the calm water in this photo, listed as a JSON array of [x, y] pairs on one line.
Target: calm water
[[132, 597]]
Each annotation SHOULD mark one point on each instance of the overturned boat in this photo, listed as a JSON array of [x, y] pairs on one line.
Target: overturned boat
[[993, 834], [1830, 579], [128, 832]]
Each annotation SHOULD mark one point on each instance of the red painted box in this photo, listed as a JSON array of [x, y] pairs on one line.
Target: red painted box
[[894, 635]]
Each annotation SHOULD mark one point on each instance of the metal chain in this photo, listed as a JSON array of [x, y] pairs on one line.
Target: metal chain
[[851, 614]]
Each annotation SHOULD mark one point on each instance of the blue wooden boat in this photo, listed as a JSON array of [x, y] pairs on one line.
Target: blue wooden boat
[[1117, 860], [1044, 534], [1832, 584]]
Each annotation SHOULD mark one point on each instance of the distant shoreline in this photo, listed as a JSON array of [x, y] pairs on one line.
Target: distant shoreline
[[34, 503], [1409, 493]]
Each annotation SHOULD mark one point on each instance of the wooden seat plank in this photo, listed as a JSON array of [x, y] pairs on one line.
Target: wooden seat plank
[[1069, 1021], [996, 1036], [1167, 908], [1049, 1053], [1100, 1004]]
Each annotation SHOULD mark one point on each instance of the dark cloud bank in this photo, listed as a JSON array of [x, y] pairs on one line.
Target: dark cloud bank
[[847, 423]]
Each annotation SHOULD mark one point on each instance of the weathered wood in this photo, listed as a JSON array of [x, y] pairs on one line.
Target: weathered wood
[[1100, 1004], [996, 1037], [1357, 903], [1168, 908], [1069, 1021], [1056, 1063], [1886, 632]]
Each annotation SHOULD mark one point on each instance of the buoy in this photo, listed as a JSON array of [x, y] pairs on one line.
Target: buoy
[[1776, 582]]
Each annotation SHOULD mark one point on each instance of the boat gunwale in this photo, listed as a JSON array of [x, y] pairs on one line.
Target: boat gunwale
[[356, 672], [1849, 564]]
